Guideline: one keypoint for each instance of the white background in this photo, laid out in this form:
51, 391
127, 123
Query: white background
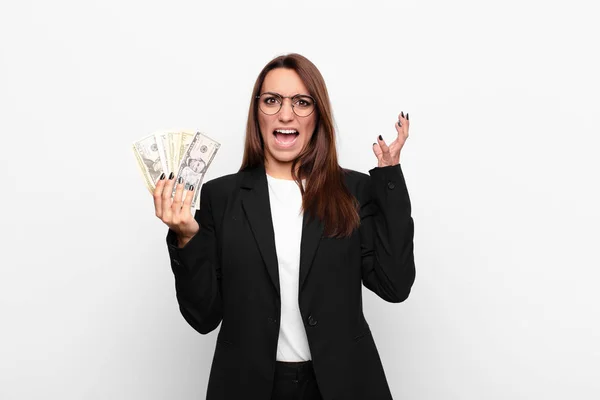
501, 165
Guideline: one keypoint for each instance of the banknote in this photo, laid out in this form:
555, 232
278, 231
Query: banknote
186, 153
164, 148
195, 161
174, 144
180, 142
184, 143
148, 160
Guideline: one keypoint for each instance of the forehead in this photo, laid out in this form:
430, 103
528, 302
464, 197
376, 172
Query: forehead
284, 81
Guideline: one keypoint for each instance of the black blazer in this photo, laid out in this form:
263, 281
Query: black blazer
228, 274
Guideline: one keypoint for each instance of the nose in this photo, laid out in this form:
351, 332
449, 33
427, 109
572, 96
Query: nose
286, 113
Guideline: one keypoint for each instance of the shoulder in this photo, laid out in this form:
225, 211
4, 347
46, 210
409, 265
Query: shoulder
219, 190
357, 182
227, 185
361, 184
223, 181
351, 175
375, 174
222, 184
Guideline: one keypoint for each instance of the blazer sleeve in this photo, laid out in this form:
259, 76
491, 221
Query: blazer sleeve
197, 271
386, 232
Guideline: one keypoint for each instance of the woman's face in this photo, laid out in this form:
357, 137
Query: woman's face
281, 148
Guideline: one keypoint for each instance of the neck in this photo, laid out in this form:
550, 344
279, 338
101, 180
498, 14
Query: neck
280, 170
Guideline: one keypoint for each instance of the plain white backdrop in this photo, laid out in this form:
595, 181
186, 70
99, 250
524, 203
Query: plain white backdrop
501, 164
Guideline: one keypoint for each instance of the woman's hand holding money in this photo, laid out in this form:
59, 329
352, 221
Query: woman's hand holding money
175, 213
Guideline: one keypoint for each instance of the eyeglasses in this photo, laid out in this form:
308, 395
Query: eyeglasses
270, 103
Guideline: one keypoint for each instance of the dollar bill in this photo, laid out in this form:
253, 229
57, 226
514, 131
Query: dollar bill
174, 143
181, 142
162, 142
195, 162
184, 144
148, 160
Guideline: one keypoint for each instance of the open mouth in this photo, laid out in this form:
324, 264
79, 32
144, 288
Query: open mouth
285, 137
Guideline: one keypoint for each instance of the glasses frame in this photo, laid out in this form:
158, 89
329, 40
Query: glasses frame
292, 100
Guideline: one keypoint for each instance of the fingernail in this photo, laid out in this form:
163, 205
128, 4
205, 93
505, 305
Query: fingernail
374, 144
171, 175
399, 123
406, 115
180, 180
402, 113
162, 176
380, 138
191, 188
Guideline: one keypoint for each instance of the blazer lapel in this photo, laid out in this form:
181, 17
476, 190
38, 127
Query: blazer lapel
256, 205
255, 202
312, 230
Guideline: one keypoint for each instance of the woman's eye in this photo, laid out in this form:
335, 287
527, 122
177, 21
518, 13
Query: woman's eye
271, 100
303, 102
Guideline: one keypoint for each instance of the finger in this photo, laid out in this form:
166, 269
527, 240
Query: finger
402, 126
187, 203
377, 150
166, 199
402, 133
385, 150
157, 194
177, 201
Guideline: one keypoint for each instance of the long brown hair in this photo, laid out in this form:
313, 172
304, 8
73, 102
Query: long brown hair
326, 196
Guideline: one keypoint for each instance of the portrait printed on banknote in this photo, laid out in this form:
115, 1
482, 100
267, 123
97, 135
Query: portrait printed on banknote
195, 162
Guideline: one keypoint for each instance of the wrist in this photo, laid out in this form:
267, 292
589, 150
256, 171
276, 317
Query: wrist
382, 165
183, 240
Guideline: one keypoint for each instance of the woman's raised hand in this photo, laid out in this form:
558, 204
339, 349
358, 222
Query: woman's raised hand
175, 213
390, 154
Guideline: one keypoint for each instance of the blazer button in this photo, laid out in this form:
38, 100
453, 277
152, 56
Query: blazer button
312, 321
391, 185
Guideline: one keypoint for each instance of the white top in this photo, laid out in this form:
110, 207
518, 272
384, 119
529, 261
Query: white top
286, 209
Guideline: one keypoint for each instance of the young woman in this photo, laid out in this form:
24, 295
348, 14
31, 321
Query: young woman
278, 252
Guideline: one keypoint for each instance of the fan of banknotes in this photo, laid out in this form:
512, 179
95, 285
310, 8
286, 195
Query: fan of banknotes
187, 154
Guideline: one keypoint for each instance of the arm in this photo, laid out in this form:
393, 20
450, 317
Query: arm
197, 271
386, 233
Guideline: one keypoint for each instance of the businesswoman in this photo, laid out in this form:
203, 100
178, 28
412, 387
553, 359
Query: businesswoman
278, 252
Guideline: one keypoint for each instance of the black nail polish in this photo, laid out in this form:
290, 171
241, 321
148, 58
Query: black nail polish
374, 144
191, 188
171, 176
402, 114
380, 138
406, 115
399, 124
162, 176
180, 180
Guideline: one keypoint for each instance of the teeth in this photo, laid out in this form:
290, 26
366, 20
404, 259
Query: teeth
286, 131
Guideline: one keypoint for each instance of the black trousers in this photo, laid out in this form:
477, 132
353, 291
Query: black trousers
295, 381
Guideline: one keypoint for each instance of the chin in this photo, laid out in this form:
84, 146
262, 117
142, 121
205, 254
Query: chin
283, 157
287, 158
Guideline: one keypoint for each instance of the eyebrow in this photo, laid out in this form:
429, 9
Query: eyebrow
279, 94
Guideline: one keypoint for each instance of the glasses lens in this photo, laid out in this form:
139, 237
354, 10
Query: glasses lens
269, 103
303, 105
